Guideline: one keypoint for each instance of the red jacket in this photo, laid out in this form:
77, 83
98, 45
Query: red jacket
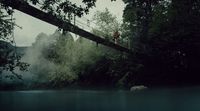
116, 35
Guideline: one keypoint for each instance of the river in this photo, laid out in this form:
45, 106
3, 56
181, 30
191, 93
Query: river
182, 99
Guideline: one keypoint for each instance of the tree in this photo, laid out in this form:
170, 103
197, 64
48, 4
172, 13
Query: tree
58, 60
6, 26
59, 8
172, 40
106, 24
138, 16
9, 59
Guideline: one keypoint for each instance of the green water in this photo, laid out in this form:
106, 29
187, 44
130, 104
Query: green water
183, 99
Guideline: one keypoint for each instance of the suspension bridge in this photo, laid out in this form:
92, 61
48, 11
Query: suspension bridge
80, 28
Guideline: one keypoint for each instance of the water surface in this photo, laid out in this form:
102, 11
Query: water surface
184, 99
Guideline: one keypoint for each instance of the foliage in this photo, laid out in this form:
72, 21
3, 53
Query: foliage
106, 24
168, 30
164, 35
9, 59
65, 8
6, 23
60, 67
59, 60
59, 8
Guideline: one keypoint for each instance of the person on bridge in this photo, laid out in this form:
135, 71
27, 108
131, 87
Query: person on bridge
116, 36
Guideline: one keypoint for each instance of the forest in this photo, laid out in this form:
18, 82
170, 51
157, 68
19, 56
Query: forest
162, 34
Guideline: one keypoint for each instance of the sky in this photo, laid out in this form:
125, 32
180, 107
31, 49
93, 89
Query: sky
31, 26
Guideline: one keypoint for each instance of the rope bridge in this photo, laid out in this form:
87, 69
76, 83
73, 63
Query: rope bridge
32, 11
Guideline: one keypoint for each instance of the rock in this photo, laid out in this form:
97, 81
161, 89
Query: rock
138, 88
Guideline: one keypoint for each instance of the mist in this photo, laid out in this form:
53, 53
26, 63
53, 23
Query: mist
58, 59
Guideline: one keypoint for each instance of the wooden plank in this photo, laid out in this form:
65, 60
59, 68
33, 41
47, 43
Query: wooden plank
32, 11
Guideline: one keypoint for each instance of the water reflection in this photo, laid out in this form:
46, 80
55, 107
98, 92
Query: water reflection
86, 100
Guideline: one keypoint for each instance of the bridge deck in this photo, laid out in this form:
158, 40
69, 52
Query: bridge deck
32, 11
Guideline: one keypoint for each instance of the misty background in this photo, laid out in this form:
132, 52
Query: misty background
31, 26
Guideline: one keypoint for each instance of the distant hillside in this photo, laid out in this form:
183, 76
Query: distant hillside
8, 47
21, 50
5, 45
